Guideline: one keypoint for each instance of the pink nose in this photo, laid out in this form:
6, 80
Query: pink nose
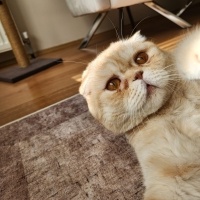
139, 75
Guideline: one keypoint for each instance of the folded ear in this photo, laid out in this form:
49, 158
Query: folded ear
84, 88
138, 37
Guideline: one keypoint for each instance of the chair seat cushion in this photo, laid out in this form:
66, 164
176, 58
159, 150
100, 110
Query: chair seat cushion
82, 7
123, 3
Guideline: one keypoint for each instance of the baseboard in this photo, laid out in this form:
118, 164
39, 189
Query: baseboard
57, 48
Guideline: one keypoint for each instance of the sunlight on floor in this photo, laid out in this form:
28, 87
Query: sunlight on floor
77, 77
171, 43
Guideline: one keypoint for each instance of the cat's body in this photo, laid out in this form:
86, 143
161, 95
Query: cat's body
168, 148
134, 88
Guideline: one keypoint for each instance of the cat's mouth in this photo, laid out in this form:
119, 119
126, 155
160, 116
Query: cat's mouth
150, 89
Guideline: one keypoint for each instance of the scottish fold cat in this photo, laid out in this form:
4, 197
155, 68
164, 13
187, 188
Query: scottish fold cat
153, 97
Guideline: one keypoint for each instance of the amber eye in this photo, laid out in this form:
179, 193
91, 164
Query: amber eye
141, 58
113, 84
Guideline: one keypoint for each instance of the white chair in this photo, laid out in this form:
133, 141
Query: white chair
84, 7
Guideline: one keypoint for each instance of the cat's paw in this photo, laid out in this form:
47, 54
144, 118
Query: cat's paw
187, 55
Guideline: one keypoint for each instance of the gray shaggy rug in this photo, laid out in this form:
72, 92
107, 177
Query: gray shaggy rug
61, 152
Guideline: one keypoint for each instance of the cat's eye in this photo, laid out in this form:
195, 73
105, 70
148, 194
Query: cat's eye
113, 84
141, 58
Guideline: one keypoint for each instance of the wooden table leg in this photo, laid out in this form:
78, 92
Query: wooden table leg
13, 36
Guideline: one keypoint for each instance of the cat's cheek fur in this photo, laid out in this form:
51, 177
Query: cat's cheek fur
112, 118
156, 101
94, 105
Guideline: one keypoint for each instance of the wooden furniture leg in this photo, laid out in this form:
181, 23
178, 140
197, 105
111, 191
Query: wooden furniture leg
13, 36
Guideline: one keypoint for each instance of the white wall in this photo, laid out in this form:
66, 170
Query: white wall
50, 23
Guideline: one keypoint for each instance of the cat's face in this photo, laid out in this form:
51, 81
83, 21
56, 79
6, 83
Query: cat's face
127, 82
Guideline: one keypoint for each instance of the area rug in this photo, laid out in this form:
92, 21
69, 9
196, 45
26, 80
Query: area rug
63, 153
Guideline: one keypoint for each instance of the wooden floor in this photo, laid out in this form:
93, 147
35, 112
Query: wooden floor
63, 80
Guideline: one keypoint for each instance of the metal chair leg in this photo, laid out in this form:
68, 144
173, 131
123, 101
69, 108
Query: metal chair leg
95, 25
130, 17
121, 22
174, 18
188, 3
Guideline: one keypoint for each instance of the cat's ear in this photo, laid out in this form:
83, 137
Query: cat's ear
138, 37
84, 88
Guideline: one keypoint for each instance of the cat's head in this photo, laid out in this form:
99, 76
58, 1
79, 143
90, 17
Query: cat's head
127, 82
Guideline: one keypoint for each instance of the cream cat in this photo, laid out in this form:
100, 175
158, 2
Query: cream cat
152, 96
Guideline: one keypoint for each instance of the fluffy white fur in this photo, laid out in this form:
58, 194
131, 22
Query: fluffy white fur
188, 56
162, 122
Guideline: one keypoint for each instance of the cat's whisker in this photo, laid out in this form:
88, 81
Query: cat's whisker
122, 36
117, 34
133, 119
169, 66
138, 127
138, 25
71, 61
124, 117
170, 87
96, 51
146, 119
171, 78
144, 114
164, 75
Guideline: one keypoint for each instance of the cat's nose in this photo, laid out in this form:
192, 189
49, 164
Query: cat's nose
139, 75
